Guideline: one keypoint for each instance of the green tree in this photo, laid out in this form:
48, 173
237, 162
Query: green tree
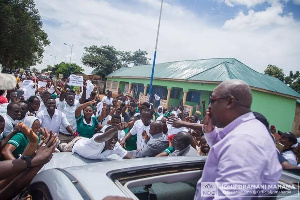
63, 68
293, 80
274, 71
34, 70
104, 59
22, 39
136, 58
48, 68
107, 59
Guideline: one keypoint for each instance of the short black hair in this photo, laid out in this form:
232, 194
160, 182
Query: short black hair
10, 105
183, 138
51, 98
71, 92
46, 93
132, 104
2, 119
147, 104
116, 117
24, 102
32, 98
260, 117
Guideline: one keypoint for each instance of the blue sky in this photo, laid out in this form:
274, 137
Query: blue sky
256, 32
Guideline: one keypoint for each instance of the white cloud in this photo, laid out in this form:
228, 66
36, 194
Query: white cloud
262, 19
183, 34
248, 3
297, 2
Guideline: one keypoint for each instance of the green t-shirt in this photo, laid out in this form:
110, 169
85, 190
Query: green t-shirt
85, 130
20, 141
137, 110
169, 150
131, 142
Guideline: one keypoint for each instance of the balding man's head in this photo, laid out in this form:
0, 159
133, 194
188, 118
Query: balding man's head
230, 99
181, 140
155, 128
240, 90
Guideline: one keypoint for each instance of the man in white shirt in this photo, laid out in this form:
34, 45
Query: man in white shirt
11, 118
44, 97
139, 128
107, 99
52, 119
116, 122
67, 104
100, 146
288, 139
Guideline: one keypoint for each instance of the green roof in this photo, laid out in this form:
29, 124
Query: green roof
208, 70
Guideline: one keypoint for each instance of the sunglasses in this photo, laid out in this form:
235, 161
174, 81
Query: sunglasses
214, 99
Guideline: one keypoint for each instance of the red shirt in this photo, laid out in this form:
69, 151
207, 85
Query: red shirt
3, 100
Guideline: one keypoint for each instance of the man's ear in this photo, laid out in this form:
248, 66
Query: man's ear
231, 102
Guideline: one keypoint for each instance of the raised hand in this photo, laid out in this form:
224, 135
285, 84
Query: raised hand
45, 150
123, 143
45, 133
93, 102
207, 123
18, 127
175, 122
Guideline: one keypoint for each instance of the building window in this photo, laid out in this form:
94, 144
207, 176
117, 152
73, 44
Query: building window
114, 86
108, 85
175, 93
193, 96
137, 89
126, 87
161, 91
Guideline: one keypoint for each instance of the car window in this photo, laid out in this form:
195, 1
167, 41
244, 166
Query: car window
176, 182
165, 191
36, 191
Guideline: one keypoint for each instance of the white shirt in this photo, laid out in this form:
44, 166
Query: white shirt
121, 133
88, 148
9, 125
107, 100
105, 120
69, 111
78, 96
89, 88
138, 129
99, 108
290, 157
172, 130
53, 123
3, 108
42, 105
100, 104
29, 90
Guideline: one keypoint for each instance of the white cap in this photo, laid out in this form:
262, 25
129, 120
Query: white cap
7, 81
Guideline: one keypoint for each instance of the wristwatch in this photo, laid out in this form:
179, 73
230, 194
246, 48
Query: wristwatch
28, 161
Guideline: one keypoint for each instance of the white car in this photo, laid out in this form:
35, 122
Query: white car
69, 176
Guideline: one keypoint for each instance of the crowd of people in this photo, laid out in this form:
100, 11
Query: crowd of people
58, 119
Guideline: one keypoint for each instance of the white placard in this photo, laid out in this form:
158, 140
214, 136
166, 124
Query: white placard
76, 80
28, 88
163, 103
25, 83
42, 84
